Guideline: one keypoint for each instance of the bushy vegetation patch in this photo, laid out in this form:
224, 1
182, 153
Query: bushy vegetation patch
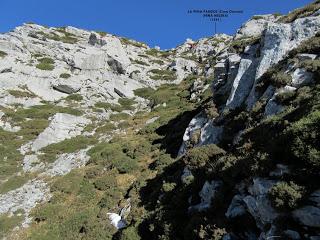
65, 38
3, 54
301, 12
286, 196
21, 94
65, 75
45, 64
158, 74
75, 97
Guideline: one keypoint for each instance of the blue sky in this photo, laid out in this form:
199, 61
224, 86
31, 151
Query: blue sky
163, 22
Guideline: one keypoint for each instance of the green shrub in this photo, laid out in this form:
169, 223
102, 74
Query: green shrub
105, 182
3, 54
106, 128
21, 94
141, 62
168, 187
285, 196
101, 33
285, 97
239, 45
66, 38
301, 12
126, 41
66, 146
40, 112
311, 65
45, 64
126, 103
112, 156
129, 233
198, 157
8, 223
163, 161
163, 74
65, 75
257, 17
109, 106
75, 97
119, 116
157, 61
303, 137
144, 92
211, 111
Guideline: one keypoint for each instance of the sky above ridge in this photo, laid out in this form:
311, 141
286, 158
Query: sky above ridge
164, 23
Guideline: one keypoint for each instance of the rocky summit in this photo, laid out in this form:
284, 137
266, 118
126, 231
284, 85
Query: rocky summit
103, 137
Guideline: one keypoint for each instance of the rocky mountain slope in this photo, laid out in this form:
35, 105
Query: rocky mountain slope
103, 137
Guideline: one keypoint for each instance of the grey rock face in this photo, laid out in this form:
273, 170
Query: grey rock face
308, 216
278, 40
236, 207
207, 194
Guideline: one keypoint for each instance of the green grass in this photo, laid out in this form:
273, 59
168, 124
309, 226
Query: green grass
126, 103
66, 146
21, 94
126, 41
3, 54
119, 116
8, 223
301, 12
75, 97
158, 74
13, 182
65, 38
65, 75
101, 33
45, 63
157, 53
106, 128
141, 62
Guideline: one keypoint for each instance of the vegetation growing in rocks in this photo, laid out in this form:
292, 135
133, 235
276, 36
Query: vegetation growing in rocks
75, 97
65, 38
21, 94
239, 45
3, 54
67, 146
126, 41
8, 223
157, 53
65, 75
301, 12
158, 74
45, 64
285, 195
141, 62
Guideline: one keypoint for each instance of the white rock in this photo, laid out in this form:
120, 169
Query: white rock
67, 162
278, 40
63, 126
24, 198
117, 221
